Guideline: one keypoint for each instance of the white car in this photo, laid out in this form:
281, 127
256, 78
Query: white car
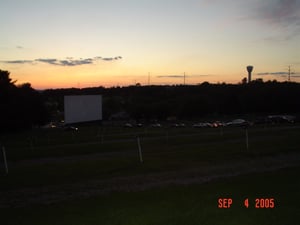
156, 125
202, 125
237, 122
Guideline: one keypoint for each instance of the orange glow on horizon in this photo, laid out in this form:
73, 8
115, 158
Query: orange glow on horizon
117, 74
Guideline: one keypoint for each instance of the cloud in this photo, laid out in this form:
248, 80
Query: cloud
69, 61
50, 61
170, 76
181, 76
279, 74
112, 59
273, 73
281, 15
18, 61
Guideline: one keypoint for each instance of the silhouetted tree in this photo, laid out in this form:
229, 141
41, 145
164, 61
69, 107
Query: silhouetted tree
5, 81
244, 80
20, 106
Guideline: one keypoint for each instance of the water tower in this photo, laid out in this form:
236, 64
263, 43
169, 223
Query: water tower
249, 69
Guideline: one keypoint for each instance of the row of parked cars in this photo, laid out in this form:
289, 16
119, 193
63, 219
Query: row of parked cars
53, 125
233, 123
272, 119
237, 122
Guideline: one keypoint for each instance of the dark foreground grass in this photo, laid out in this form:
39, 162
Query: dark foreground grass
164, 151
58, 143
163, 154
188, 205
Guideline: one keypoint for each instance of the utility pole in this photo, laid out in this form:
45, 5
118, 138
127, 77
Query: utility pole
289, 74
148, 78
184, 78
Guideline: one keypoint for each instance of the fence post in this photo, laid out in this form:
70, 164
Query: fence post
247, 139
139, 149
4, 160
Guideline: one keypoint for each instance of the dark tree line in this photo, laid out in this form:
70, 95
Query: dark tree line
191, 102
23, 107
20, 105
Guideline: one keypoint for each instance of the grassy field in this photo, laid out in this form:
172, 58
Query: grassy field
163, 150
55, 142
94, 176
194, 204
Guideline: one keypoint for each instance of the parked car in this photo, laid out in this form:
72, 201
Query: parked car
281, 119
217, 124
70, 128
178, 125
238, 123
202, 125
49, 126
128, 125
156, 125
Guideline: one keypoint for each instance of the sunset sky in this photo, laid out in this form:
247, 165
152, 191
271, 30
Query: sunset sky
80, 43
